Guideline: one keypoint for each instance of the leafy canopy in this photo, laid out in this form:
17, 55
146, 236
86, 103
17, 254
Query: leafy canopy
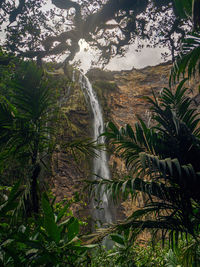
36, 30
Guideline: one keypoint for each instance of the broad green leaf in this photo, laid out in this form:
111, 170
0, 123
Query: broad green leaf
49, 221
62, 212
118, 239
72, 229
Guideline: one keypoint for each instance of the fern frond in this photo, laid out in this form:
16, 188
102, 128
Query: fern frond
188, 62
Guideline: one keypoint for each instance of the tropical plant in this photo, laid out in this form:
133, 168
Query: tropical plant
188, 61
29, 115
125, 253
26, 112
163, 164
48, 240
188, 8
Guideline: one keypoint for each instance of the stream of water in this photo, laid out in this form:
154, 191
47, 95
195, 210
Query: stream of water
103, 211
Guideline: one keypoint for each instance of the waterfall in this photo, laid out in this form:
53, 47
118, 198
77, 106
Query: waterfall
105, 212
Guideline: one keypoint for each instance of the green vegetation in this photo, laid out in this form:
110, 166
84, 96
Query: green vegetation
43, 241
34, 231
36, 30
140, 256
109, 86
163, 164
162, 160
27, 109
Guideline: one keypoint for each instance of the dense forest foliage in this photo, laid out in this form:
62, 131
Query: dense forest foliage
43, 29
162, 158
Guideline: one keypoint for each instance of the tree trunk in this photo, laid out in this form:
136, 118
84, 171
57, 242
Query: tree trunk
196, 14
34, 194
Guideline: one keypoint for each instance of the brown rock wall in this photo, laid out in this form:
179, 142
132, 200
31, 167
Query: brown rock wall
69, 169
128, 102
125, 104
121, 96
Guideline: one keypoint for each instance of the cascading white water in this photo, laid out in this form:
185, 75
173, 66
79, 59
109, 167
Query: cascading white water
104, 213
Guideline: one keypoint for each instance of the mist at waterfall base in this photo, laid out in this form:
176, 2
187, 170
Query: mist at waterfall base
103, 210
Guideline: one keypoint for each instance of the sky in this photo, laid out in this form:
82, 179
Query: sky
132, 59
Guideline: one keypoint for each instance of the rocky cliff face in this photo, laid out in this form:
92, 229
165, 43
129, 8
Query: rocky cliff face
121, 97
71, 167
125, 101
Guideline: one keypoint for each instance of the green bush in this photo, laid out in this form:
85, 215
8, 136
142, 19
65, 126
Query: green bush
46, 240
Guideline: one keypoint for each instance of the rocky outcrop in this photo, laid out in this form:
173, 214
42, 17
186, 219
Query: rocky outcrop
70, 166
121, 97
126, 101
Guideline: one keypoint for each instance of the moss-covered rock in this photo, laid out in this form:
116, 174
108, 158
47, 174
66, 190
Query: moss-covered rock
70, 168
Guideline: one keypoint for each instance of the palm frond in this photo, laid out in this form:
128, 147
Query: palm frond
162, 160
183, 8
87, 147
169, 225
130, 186
188, 61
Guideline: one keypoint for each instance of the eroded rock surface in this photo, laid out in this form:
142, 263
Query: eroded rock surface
121, 97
